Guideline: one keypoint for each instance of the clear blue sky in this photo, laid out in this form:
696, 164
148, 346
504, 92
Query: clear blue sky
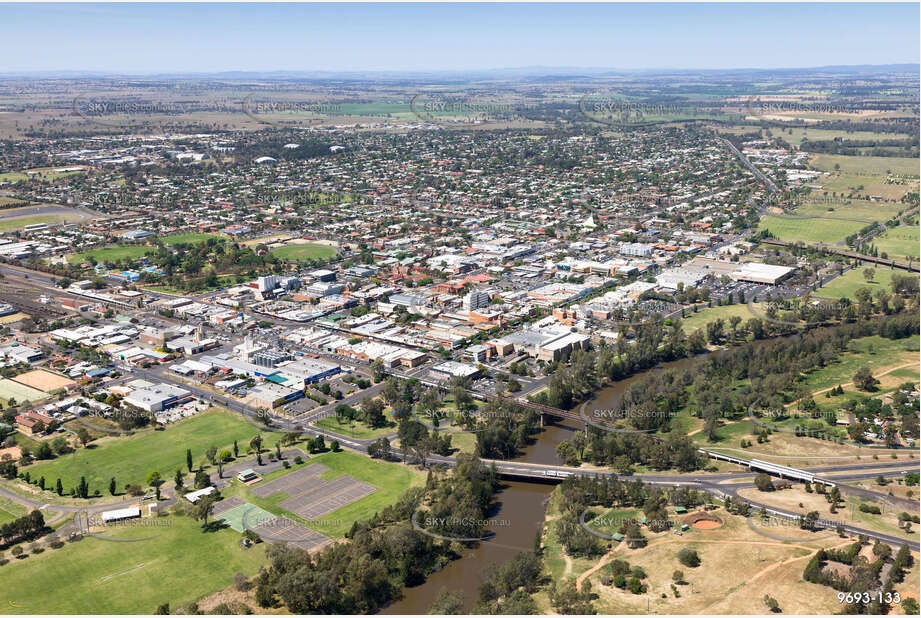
146, 38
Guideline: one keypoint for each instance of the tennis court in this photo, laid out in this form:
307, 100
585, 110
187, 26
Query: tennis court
293, 483
245, 516
226, 504
310, 496
328, 497
284, 530
10, 389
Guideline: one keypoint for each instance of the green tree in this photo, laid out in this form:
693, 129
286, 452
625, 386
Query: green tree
688, 557
771, 603
83, 436
203, 509
448, 603
864, 379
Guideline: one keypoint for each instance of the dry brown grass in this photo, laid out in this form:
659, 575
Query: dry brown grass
738, 567
790, 499
790, 450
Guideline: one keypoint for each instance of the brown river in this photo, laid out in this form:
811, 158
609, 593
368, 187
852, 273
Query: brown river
519, 515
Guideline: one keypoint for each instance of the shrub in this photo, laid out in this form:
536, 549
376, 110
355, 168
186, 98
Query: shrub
241, 582
689, 558
636, 586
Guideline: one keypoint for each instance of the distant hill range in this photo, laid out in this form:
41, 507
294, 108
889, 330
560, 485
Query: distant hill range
536, 73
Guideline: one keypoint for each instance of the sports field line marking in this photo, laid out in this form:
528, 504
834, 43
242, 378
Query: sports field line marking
134, 568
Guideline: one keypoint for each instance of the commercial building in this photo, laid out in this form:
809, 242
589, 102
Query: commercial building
310, 370
272, 395
761, 273
323, 275
157, 397
549, 344
636, 249
673, 278
453, 369
475, 299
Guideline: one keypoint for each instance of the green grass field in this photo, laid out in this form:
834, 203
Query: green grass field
860, 184
304, 252
188, 238
857, 210
178, 565
847, 284
9, 510
899, 242
903, 166
355, 429
727, 435
695, 321
15, 223
13, 177
391, 480
875, 352
131, 458
110, 254
809, 230
609, 521
48, 173
798, 135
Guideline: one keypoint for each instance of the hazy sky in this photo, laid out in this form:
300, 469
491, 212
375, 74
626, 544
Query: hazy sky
145, 38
